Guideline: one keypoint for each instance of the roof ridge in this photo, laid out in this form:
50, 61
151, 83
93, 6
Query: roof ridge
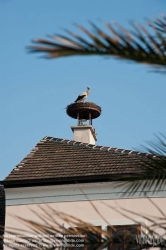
97, 147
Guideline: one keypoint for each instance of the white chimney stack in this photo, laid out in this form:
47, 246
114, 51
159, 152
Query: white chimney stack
84, 133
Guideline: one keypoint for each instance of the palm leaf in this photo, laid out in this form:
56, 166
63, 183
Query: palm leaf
159, 24
49, 233
137, 45
152, 174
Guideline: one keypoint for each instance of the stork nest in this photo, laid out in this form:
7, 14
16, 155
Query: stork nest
84, 109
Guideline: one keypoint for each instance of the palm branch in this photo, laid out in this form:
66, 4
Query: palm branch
159, 25
152, 174
137, 45
50, 234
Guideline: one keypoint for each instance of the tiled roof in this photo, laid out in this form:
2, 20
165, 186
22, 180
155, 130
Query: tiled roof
2, 214
59, 159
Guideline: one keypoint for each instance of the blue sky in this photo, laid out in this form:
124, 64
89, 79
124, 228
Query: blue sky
35, 91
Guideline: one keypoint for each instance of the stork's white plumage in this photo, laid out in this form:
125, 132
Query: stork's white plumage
83, 96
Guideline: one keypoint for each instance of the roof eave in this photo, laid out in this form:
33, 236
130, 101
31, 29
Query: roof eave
63, 180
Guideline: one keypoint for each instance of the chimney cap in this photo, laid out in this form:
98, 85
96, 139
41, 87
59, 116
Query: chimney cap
83, 108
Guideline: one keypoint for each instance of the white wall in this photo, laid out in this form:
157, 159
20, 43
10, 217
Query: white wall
73, 200
84, 211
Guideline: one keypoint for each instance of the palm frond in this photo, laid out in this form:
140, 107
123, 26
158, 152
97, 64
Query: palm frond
155, 222
159, 24
152, 175
137, 45
50, 234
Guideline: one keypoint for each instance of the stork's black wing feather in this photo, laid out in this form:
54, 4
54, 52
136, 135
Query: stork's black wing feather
80, 97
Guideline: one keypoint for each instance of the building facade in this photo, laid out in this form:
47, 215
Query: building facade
81, 179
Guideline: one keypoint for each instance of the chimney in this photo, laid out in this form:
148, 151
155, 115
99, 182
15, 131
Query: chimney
84, 111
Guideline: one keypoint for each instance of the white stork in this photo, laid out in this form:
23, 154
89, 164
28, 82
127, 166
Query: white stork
83, 96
